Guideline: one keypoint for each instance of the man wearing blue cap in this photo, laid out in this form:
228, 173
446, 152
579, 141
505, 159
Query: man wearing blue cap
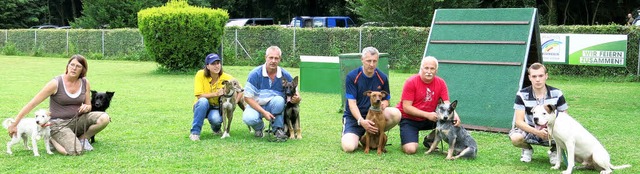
207, 89
263, 93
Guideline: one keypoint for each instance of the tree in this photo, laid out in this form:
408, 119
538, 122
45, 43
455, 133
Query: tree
23, 13
109, 14
404, 13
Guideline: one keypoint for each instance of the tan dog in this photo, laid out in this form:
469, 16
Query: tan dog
581, 146
378, 140
228, 103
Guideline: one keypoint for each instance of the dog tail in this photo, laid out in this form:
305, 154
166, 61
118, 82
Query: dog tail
7, 122
620, 166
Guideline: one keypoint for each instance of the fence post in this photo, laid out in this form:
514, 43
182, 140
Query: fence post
6, 36
235, 41
67, 48
294, 40
103, 44
360, 41
35, 39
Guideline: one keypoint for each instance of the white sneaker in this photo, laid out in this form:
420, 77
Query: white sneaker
85, 145
553, 158
194, 137
526, 155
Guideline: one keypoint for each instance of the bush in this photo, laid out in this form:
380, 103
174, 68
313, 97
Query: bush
179, 36
9, 49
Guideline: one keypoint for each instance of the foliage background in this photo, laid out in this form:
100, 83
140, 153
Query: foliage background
246, 45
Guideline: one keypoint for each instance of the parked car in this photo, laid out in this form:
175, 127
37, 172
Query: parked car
43, 27
64, 27
322, 21
249, 22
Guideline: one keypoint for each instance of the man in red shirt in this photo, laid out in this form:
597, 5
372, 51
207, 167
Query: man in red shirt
420, 96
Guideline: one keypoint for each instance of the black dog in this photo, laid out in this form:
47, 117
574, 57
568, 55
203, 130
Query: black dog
100, 102
291, 110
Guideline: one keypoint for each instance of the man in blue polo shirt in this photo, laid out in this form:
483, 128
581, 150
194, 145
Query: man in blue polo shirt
365, 78
263, 93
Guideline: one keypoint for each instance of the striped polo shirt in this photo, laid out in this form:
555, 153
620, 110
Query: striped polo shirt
526, 100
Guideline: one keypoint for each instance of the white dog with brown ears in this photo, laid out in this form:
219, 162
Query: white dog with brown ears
580, 145
31, 128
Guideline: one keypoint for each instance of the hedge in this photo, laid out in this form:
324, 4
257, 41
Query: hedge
405, 45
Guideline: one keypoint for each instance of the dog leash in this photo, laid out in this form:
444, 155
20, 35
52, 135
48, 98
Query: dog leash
75, 119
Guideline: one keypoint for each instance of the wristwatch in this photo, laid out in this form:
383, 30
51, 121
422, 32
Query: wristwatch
359, 122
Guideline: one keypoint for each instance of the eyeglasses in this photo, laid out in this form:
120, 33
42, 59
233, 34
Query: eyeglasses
77, 66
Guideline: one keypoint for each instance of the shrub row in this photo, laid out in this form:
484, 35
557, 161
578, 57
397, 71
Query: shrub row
246, 45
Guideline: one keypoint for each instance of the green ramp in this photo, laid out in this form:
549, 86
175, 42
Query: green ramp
483, 55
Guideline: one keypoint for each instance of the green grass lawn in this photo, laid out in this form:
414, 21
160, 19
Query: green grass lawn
151, 116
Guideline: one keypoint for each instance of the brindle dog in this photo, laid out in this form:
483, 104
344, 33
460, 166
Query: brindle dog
228, 103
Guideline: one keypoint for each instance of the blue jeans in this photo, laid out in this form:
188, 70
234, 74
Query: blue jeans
253, 118
203, 109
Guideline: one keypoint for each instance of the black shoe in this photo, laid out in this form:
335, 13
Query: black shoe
280, 135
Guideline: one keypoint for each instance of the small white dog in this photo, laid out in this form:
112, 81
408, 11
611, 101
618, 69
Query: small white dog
580, 145
33, 128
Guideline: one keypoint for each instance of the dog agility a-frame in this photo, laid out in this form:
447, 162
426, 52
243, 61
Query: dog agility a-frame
483, 55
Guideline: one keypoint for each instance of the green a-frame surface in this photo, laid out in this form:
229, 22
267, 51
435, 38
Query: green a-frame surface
483, 55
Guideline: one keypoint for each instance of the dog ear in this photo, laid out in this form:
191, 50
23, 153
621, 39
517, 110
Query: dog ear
224, 82
284, 81
384, 93
368, 93
110, 94
93, 93
295, 81
440, 101
453, 104
550, 108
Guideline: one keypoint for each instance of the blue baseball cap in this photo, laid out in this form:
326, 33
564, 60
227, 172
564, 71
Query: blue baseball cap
211, 58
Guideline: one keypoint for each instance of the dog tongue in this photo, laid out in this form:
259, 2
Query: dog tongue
288, 98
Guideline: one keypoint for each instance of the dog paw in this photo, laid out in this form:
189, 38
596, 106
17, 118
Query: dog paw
9, 152
299, 137
555, 167
36, 154
49, 152
450, 158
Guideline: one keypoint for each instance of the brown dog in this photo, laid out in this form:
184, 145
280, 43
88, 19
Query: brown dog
377, 140
228, 102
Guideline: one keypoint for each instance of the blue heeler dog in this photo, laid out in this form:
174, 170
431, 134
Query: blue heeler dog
460, 141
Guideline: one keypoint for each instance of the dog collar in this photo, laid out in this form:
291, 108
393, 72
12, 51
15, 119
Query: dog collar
229, 95
46, 125
374, 109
